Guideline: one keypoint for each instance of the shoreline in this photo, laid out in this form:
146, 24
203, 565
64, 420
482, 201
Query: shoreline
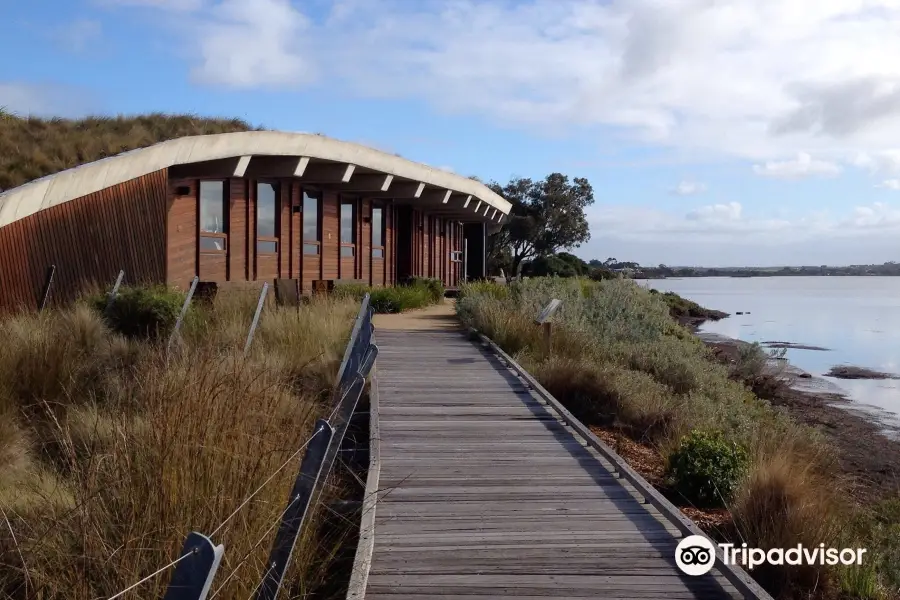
867, 448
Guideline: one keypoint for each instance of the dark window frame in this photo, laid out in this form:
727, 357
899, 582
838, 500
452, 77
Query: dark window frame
382, 250
316, 243
276, 239
353, 203
214, 235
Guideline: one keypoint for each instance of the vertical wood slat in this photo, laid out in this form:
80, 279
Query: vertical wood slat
296, 233
237, 223
182, 227
284, 229
330, 236
120, 225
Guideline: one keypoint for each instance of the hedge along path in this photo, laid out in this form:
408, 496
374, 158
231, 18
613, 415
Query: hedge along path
483, 492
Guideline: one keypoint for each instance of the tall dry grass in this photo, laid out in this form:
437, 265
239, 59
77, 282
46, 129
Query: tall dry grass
111, 451
32, 147
618, 359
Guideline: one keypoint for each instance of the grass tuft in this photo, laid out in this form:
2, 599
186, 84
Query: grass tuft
32, 147
111, 451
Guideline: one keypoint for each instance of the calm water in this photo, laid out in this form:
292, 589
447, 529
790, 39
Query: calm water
857, 318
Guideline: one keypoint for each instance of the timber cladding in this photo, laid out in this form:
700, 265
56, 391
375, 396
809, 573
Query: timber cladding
150, 227
89, 239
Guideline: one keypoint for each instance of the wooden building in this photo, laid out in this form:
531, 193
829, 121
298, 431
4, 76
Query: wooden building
240, 207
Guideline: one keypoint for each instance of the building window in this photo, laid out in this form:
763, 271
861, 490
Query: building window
266, 218
213, 219
312, 233
348, 229
377, 232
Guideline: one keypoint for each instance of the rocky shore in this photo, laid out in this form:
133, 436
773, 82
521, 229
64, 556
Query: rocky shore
866, 447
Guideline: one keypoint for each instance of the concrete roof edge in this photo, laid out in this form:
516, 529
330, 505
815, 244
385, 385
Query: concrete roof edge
58, 188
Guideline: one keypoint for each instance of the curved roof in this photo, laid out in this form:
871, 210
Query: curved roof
70, 184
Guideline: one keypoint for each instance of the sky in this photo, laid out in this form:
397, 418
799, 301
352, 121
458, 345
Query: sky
714, 132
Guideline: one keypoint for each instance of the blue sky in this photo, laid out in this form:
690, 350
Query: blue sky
741, 132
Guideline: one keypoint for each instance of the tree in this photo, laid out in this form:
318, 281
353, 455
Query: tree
560, 265
546, 216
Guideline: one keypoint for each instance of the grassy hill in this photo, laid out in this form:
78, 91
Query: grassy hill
32, 147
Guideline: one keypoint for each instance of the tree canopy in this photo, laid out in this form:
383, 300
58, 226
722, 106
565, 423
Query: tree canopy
547, 216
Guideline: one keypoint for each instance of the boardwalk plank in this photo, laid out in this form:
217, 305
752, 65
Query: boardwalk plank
484, 493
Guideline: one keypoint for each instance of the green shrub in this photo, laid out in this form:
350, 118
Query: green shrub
142, 312
483, 288
419, 293
435, 287
706, 468
400, 298
601, 274
351, 290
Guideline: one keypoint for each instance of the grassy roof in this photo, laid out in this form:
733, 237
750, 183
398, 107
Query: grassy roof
32, 147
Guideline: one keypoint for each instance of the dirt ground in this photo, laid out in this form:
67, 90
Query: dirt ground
438, 317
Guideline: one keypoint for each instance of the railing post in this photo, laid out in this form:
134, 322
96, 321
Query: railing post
363, 311
176, 331
259, 307
193, 576
48, 283
295, 515
114, 292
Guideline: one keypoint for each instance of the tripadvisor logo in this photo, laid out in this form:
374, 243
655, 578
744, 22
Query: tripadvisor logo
696, 555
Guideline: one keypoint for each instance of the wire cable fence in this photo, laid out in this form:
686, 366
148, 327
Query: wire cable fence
199, 558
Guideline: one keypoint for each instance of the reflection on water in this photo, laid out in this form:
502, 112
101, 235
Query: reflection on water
857, 318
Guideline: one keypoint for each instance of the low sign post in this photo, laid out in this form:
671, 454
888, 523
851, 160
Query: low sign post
543, 320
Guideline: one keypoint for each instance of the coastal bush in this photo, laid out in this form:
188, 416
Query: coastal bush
435, 287
706, 468
111, 451
141, 312
619, 358
786, 500
483, 288
418, 293
878, 530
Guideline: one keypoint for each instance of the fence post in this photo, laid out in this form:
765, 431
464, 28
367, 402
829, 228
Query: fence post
295, 515
193, 576
184, 308
48, 282
259, 307
114, 292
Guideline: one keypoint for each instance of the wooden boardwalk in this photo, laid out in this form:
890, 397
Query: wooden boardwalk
483, 492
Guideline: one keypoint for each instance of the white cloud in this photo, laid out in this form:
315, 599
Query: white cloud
877, 162
717, 212
755, 79
878, 215
761, 80
689, 188
253, 43
890, 184
722, 225
803, 166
